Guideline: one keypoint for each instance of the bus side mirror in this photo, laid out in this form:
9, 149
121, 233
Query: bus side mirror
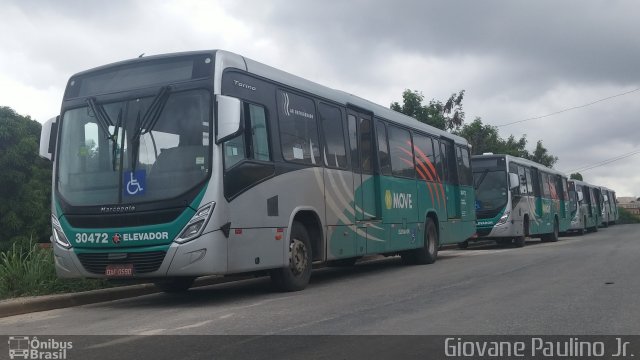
580, 196
228, 117
48, 136
514, 181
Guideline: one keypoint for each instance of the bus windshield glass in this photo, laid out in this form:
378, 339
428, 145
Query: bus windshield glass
134, 150
491, 189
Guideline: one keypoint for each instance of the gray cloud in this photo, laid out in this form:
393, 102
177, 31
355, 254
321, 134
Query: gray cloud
573, 40
515, 59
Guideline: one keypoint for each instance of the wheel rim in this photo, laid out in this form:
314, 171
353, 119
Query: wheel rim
297, 257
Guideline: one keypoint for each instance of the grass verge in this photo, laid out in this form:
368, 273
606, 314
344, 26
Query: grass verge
627, 217
26, 269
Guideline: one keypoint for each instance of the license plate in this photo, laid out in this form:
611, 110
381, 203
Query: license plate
119, 270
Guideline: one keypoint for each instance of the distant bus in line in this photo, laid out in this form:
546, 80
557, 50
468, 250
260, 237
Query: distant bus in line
586, 207
518, 198
610, 207
177, 166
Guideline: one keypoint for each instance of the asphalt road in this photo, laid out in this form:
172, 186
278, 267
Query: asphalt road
580, 285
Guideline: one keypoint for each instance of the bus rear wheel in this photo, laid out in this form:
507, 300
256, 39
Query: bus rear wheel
428, 253
295, 277
553, 236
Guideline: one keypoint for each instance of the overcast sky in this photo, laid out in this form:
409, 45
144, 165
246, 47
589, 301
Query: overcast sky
515, 59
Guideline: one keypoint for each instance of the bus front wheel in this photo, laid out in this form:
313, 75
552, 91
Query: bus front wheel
295, 277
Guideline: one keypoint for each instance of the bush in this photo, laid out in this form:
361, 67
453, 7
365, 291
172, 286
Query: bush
27, 269
626, 217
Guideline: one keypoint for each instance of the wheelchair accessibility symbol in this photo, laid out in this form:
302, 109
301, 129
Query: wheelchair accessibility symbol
134, 182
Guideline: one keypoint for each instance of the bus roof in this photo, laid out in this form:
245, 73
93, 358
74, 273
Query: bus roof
511, 158
584, 183
226, 59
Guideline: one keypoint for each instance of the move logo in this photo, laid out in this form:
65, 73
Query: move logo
387, 199
398, 200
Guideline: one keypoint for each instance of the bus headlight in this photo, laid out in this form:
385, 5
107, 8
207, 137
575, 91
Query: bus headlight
58, 234
196, 225
503, 219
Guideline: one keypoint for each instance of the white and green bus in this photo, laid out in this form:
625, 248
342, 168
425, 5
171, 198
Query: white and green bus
177, 166
586, 208
609, 207
518, 198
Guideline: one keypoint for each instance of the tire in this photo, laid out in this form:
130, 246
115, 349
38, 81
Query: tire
429, 252
174, 285
519, 241
584, 226
295, 277
552, 237
463, 245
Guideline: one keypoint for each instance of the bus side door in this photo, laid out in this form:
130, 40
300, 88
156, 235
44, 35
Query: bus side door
452, 189
366, 186
537, 194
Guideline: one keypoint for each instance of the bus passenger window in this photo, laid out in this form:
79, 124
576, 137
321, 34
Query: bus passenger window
298, 129
233, 151
366, 148
423, 146
545, 185
464, 168
259, 133
353, 141
523, 180
383, 149
335, 154
401, 152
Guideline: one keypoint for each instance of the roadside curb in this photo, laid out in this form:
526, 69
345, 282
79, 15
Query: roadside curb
31, 304
24, 305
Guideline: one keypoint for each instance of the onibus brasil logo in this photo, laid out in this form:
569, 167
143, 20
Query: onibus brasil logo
25, 347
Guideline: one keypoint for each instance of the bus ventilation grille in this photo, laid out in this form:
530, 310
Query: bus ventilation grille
143, 262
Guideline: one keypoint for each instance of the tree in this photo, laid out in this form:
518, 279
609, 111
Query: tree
541, 155
576, 176
25, 184
445, 116
485, 138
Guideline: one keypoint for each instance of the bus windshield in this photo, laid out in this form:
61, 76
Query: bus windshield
491, 189
134, 150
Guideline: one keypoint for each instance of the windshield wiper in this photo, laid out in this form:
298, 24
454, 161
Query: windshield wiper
152, 114
114, 140
104, 121
149, 121
103, 118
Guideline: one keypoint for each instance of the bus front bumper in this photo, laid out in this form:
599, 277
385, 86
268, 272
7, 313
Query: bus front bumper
205, 255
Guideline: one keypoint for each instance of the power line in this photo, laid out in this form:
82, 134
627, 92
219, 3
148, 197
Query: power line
605, 162
569, 109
